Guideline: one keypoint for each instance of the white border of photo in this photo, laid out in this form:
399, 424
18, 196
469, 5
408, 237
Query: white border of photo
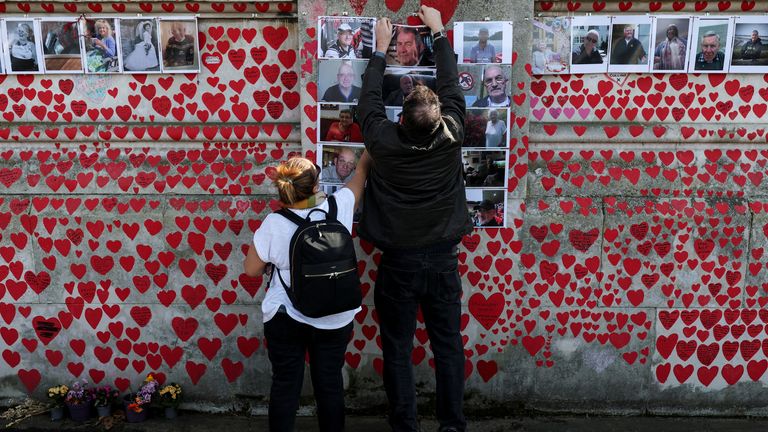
38, 46
732, 41
584, 21
655, 42
76, 21
725, 47
160, 42
636, 21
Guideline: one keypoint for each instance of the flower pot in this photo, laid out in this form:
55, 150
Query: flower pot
171, 412
57, 413
132, 416
104, 411
79, 412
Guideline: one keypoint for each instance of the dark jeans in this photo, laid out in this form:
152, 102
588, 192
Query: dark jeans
288, 342
405, 281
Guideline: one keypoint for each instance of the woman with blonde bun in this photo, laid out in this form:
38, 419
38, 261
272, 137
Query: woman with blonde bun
291, 335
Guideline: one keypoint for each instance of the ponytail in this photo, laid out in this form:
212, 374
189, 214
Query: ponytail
295, 180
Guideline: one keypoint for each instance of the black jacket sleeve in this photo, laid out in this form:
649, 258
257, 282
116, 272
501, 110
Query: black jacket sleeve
370, 107
451, 98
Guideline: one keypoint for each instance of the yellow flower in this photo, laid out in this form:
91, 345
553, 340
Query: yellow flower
150, 378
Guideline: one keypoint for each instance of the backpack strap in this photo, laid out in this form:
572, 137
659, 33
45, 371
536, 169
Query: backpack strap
291, 216
332, 208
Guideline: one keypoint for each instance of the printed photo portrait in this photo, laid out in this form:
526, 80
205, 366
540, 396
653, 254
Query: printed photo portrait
178, 45
483, 42
670, 44
589, 44
630, 42
139, 45
486, 127
484, 168
338, 123
338, 162
486, 207
399, 82
331, 188
747, 53
493, 90
410, 46
100, 43
61, 46
340, 80
345, 38
22, 46
395, 114
710, 43
551, 45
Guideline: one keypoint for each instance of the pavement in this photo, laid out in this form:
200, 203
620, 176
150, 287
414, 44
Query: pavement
188, 421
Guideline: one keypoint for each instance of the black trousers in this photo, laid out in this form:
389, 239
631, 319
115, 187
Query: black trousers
405, 281
288, 343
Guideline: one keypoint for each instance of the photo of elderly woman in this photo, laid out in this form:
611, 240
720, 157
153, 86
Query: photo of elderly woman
23, 51
61, 46
138, 43
101, 54
179, 46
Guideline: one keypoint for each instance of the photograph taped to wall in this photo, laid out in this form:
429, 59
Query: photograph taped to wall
410, 46
178, 45
339, 123
332, 188
710, 45
671, 43
21, 43
551, 45
101, 53
486, 127
485, 85
61, 45
589, 44
338, 162
483, 42
394, 114
139, 45
749, 48
487, 208
399, 82
340, 80
345, 37
484, 168
629, 44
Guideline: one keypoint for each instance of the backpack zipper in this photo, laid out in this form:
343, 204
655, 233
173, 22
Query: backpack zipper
331, 275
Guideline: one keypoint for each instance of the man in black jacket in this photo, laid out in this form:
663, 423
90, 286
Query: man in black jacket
416, 213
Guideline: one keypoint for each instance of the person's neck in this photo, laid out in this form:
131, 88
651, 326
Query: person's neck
483, 44
342, 127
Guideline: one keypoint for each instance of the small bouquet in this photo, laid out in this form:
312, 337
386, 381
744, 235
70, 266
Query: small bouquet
57, 394
105, 396
144, 395
170, 395
78, 394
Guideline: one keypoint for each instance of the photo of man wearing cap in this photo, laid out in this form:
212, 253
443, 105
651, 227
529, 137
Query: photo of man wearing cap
342, 47
486, 214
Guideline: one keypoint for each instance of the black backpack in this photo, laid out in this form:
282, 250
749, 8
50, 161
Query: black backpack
324, 275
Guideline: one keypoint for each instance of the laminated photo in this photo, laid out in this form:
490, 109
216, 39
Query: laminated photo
338, 123
710, 45
485, 86
589, 44
487, 208
139, 45
486, 127
671, 43
551, 50
483, 42
348, 38
340, 80
630, 43
338, 162
101, 53
484, 168
749, 46
410, 46
399, 82
21, 43
178, 45
61, 45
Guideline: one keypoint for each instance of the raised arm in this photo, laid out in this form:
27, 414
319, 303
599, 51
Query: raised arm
370, 107
357, 184
451, 99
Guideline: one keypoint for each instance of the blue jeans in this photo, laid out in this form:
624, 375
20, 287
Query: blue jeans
406, 280
288, 342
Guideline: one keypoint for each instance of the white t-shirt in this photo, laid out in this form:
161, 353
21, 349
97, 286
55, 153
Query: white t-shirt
272, 241
494, 133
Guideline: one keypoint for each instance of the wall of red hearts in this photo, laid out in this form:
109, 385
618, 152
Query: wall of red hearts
127, 201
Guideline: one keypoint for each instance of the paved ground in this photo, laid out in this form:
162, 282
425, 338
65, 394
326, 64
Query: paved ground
195, 422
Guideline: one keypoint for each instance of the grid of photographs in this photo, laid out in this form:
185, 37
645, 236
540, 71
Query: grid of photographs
103, 45
345, 44
665, 43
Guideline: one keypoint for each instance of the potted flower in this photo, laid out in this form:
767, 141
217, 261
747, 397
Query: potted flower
170, 398
136, 403
104, 398
79, 401
57, 395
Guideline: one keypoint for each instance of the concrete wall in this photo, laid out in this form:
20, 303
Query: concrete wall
629, 277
